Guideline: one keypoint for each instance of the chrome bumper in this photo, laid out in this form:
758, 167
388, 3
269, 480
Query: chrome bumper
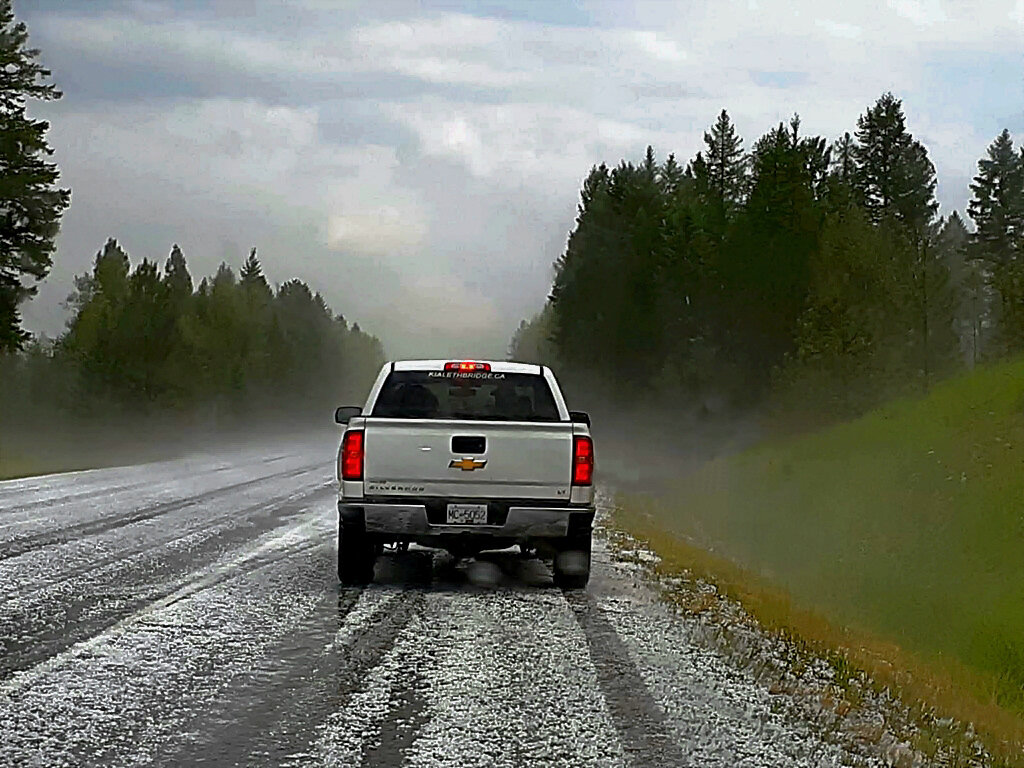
521, 522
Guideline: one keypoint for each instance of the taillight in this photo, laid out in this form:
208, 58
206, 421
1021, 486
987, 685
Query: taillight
582, 461
352, 455
467, 367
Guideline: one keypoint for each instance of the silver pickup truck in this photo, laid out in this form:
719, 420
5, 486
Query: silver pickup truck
465, 456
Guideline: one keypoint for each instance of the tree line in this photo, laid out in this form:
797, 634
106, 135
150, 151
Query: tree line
141, 338
801, 266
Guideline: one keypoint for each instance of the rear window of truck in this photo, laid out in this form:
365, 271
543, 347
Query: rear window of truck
454, 395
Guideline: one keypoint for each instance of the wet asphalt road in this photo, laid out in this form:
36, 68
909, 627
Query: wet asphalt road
187, 613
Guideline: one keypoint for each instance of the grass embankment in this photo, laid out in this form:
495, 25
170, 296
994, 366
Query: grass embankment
47, 446
12, 466
25, 457
17, 466
897, 538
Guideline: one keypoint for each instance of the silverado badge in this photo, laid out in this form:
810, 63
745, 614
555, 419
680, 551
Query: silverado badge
467, 464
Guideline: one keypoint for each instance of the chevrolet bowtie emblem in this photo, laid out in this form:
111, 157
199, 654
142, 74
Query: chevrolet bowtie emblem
467, 464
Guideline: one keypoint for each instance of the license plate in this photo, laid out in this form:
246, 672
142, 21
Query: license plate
467, 514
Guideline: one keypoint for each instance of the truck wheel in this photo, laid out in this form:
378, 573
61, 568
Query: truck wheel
356, 556
571, 567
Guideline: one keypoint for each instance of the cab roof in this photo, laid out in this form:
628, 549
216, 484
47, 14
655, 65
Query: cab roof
498, 366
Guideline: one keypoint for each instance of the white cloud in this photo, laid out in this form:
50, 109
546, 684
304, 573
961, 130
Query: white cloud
659, 47
541, 147
246, 154
369, 210
1018, 13
383, 230
217, 149
838, 29
181, 43
432, 34
464, 50
922, 12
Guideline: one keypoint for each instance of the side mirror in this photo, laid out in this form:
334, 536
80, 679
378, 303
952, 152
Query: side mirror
580, 417
346, 413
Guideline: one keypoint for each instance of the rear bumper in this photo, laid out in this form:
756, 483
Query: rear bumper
411, 520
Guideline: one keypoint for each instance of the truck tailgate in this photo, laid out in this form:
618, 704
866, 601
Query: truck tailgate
468, 459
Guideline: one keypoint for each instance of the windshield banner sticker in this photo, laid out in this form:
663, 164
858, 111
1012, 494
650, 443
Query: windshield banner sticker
483, 375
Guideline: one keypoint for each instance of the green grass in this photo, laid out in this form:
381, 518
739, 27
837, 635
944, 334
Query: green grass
17, 464
49, 447
906, 525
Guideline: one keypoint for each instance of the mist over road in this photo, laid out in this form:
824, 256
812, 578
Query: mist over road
187, 612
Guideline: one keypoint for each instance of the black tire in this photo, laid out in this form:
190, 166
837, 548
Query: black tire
571, 566
356, 556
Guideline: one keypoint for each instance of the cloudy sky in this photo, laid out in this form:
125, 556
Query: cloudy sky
419, 162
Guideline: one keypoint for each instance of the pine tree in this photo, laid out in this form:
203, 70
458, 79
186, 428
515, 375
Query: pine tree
894, 176
252, 271
967, 278
683, 291
606, 289
672, 176
932, 303
257, 299
178, 300
997, 209
838, 189
721, 170
847, 308
531, 342
109, 276
145, 334
581, 272
176, 276
30, 202
843, 161
650, 166
225, 277
109, 271
766, 269
95, 329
